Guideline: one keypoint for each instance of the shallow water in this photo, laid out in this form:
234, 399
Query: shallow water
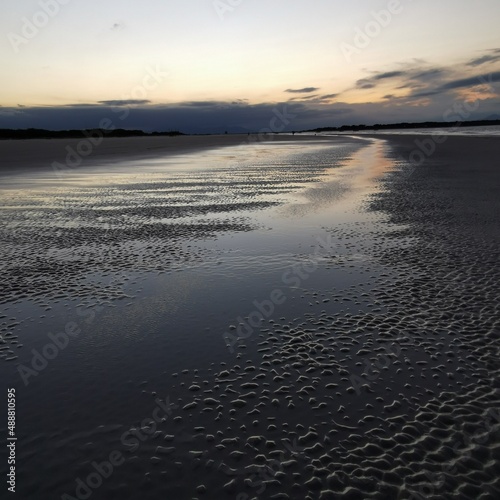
242, 284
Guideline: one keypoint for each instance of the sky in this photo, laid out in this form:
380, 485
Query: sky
208, 66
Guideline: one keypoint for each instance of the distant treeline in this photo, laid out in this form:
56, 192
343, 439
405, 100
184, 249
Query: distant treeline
38, 133
389, 126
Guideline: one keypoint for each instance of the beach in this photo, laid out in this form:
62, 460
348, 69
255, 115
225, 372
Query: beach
39, 155
253, 316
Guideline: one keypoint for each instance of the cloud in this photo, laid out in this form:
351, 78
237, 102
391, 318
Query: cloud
484, 79
305, 90
421, 82
122, 102
492, 56
371, 82
203, 104
10, 112
305, 98
365, 83
412, 92
408, 78
188, 117
388, 74
315, 98
219, 116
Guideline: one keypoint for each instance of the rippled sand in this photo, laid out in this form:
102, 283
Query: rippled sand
310, 318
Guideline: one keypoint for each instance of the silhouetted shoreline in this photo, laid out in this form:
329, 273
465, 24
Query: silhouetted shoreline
406, 125
39, 133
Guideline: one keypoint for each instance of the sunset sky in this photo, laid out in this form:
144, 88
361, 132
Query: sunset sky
215, 65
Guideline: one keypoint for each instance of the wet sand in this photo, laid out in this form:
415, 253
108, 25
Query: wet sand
296, 319
39, 154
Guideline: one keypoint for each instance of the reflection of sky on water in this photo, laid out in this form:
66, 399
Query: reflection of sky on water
155, 261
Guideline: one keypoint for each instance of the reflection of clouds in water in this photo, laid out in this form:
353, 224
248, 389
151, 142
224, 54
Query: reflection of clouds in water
359, 171
132, 219
317, 198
